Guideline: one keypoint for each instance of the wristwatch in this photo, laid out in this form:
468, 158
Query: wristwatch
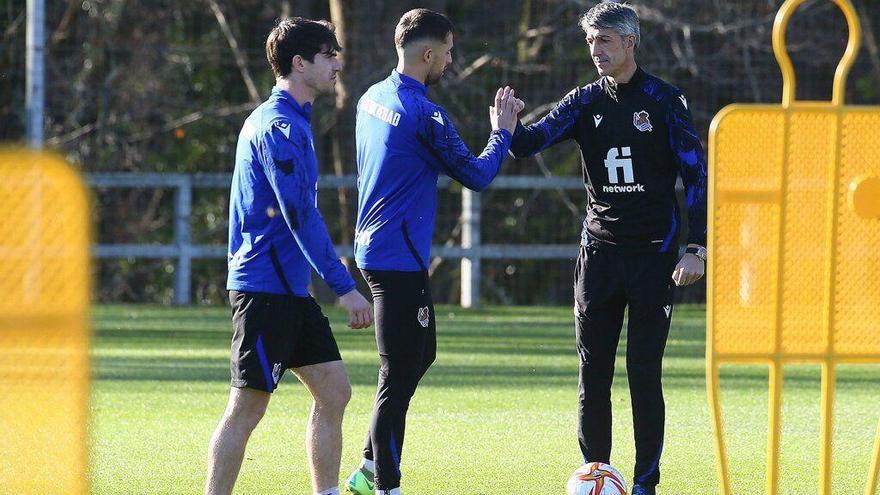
698, 251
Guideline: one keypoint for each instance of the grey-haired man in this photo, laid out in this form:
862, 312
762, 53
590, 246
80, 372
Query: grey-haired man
636, 137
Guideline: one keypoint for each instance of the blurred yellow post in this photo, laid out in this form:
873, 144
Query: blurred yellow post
794, 274
44, 326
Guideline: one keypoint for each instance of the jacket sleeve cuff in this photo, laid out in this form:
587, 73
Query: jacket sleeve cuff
346, 286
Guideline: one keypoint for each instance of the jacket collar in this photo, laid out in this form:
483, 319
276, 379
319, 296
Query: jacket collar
304, 110
404, 80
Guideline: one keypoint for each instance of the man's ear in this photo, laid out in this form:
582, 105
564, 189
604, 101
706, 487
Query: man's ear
297, 64
630, 42
427, 54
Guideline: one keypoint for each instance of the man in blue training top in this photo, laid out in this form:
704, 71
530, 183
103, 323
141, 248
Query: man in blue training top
636, 137
276, 235
404, 141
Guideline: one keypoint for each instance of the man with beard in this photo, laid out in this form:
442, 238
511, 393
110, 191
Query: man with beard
404, 141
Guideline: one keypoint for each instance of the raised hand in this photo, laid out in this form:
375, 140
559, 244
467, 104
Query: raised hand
504, 114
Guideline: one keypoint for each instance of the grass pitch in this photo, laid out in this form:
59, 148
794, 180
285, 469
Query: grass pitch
496, 413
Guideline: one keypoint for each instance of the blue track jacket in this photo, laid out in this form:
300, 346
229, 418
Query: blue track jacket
275, 229
404, 141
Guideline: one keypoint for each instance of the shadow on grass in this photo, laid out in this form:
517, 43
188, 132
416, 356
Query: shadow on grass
497, 347
479, 376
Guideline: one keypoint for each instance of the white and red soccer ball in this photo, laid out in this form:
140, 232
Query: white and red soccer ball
596, 478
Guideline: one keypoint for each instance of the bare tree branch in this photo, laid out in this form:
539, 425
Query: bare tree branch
13, 26
474, 66
60, 34
240, 59
71, 136
648, 14
190, 118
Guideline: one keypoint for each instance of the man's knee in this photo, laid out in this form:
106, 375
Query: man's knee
401, 378
644, 366
328, 383
246, 408
334, 397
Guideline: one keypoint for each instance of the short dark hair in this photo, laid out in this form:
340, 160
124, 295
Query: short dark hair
293, 36
419, 24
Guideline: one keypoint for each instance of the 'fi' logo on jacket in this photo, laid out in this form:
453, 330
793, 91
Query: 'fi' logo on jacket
642, 122
424, 317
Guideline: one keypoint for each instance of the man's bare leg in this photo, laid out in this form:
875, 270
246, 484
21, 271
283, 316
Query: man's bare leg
331, 391
244, 410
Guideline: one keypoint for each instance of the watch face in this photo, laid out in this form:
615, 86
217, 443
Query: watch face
699, 252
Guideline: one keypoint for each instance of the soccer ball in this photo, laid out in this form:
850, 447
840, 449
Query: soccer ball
596, 478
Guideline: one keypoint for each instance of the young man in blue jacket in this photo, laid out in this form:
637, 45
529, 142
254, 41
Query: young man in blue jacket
636, 137
276, 236
404, 141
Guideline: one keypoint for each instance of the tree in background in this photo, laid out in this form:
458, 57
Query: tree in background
162, 86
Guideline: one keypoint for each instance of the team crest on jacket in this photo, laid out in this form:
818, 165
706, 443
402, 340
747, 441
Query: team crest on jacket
642, 122
276, 373
424, 317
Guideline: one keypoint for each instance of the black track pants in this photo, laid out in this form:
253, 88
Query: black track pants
606, 283
407, 340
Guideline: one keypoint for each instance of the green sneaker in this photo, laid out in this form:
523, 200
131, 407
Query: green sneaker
361, 483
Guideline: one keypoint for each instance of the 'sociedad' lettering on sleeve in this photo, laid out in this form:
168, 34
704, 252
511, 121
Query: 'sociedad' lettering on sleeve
380, 112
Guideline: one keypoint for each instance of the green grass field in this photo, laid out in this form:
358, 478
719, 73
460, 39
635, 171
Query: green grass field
495, 415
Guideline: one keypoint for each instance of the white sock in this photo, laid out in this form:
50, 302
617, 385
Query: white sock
369, 465
329, 491
393, 491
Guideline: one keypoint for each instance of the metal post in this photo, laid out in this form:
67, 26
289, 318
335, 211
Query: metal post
183, 239
470, 239
35, 91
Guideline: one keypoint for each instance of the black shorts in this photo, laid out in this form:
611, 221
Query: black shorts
272, 333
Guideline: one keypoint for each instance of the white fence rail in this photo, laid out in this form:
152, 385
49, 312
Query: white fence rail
471, 252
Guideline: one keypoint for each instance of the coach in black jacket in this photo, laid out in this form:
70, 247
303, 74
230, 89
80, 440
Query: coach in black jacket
636, 137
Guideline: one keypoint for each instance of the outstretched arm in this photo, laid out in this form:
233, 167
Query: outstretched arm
438, 134
556, 126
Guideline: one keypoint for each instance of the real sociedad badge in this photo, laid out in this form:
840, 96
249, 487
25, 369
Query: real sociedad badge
276, 373
642, 122
424, 317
